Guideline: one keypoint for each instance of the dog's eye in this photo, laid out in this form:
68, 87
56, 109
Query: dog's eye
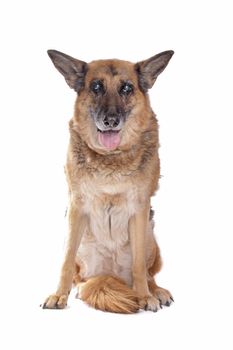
97, 87
126, 89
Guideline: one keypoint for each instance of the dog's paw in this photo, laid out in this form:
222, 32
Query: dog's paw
55, 301
150, 303
164, 296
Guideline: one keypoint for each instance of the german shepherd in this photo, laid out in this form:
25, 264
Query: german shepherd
112, 171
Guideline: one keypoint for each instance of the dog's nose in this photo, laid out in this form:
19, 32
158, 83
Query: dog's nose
111, 121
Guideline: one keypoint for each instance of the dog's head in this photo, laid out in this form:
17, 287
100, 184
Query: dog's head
112, 108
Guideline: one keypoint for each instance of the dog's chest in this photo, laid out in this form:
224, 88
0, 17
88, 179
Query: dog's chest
105, 247
109, 205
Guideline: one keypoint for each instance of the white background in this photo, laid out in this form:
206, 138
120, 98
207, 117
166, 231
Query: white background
193, 102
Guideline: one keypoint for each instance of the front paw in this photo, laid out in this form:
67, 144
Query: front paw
55, 301
150, 303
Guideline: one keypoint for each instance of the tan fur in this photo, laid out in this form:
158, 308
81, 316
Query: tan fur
111, 237
108, 293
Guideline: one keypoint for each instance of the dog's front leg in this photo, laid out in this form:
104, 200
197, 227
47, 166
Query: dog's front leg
77, 222
138, 225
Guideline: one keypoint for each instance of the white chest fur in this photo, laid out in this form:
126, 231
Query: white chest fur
105, 247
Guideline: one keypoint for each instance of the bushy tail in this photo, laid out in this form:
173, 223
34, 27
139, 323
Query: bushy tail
108, 293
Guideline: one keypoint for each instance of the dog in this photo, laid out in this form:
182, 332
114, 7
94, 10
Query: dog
112, 171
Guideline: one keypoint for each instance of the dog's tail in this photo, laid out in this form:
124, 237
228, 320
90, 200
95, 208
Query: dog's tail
108, 293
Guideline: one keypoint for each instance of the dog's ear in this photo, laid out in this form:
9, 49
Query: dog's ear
72, 69
149, 70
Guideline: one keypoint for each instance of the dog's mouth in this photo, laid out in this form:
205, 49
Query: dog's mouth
109, 139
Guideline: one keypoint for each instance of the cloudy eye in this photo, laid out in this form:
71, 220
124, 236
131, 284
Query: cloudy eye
126, 88
97, 87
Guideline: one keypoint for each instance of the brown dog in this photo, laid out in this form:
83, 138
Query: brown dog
112, 171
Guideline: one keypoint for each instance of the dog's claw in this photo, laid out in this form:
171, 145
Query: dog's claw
172, 299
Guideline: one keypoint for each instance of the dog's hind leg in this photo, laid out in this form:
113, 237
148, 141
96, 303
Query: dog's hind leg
78, 282
163, 295
76, 278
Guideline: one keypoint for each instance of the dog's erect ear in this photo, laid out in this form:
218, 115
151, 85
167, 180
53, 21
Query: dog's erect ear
149, 70
72, 69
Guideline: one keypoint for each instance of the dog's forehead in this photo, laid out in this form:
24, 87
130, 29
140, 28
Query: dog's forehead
111, 68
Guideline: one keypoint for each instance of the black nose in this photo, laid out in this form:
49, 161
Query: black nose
111, 121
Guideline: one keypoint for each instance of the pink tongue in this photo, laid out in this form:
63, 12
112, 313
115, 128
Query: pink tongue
109, 139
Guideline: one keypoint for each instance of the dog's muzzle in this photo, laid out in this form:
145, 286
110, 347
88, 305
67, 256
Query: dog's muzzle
109, 131
109, 122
